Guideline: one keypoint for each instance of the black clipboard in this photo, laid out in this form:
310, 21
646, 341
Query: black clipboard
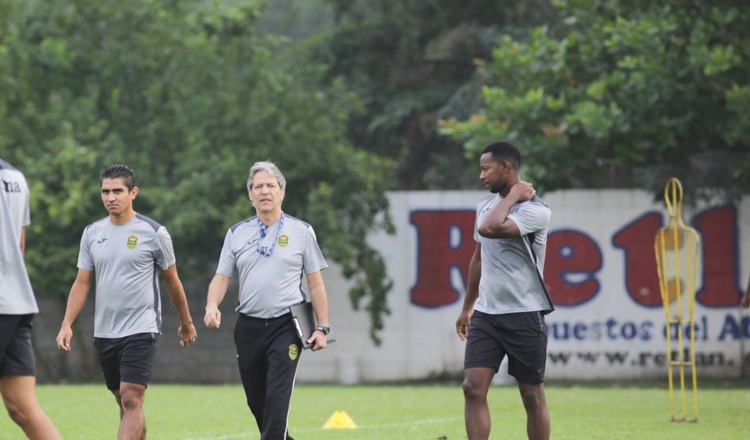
304, 322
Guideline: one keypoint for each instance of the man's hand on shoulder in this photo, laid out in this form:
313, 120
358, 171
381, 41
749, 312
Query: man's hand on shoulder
524, 191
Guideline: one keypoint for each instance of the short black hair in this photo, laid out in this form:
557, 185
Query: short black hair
119, 171
504, 150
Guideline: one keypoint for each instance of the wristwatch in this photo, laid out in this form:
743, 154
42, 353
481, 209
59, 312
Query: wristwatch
323, 329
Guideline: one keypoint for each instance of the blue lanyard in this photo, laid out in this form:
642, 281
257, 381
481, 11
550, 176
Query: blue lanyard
264, 232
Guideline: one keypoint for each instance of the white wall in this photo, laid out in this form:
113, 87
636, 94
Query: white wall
614, 337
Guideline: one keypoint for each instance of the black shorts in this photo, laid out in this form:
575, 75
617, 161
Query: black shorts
16, 352
520, 336
128, 359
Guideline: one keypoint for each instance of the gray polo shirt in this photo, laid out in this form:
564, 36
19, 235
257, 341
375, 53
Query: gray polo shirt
126, 260
16, 295
269, 285
509, 281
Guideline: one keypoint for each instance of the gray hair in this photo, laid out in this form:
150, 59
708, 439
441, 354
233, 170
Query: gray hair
268, 167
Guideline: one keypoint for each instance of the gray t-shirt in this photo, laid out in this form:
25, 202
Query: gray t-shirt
125, 259
269, 285
16, 295
510, 282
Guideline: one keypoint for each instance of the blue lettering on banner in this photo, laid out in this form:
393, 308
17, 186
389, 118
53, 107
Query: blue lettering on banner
734, 329
614, 329
611, 329
636, 359
700, 325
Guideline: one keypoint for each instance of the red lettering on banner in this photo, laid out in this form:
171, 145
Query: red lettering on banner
641, 276
569, 268
445, 240
720, 286
445, 243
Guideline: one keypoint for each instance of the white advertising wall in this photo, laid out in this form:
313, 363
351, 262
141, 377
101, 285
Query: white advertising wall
601, 273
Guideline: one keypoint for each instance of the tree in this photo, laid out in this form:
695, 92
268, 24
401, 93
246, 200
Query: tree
412, 63
190, 96
629, 94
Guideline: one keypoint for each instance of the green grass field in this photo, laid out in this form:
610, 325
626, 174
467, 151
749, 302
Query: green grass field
606, 412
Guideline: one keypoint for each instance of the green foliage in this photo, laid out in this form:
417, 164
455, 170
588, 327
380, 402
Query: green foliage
413, 62
629, 94
294, 19
188, 95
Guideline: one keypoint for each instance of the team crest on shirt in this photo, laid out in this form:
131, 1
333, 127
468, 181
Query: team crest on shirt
293, 351
283, 240
132, 242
